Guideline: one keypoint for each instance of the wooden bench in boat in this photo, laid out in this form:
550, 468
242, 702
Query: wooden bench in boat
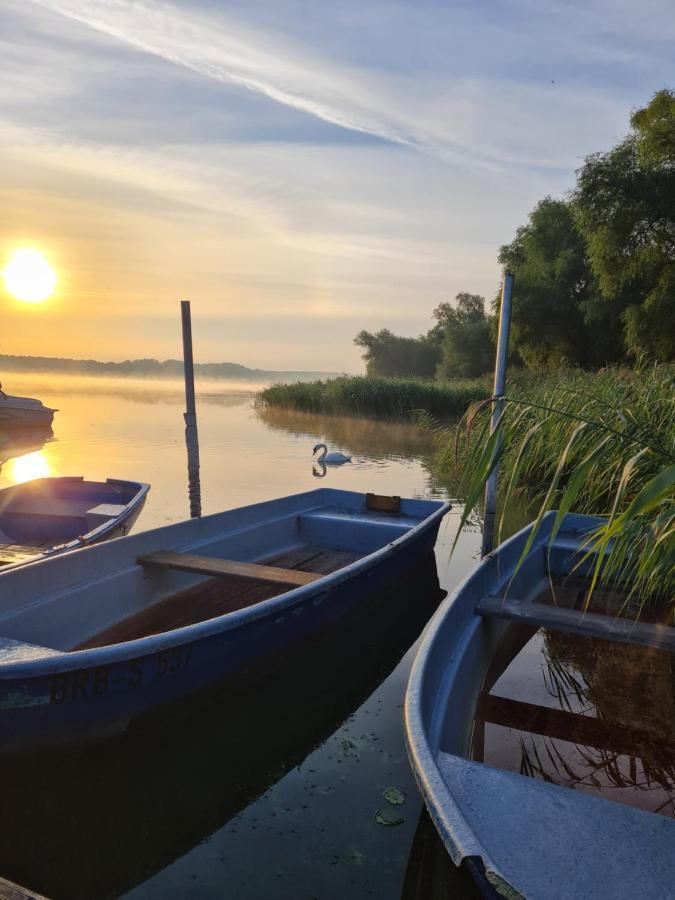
225, 593
597, 625
204, 565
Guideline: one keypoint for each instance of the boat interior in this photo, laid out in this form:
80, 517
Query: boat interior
201, 569
548, 683
48, 511
225, 593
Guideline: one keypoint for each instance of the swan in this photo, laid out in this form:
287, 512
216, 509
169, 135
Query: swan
335, 459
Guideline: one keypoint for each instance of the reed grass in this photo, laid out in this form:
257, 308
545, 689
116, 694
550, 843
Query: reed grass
600, 443
384, 398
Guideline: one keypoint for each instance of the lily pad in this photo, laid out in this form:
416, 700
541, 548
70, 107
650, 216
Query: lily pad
394, 796
386, 816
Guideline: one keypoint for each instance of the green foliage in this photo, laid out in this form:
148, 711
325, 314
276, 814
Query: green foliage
599, 443
558, 314
379, 397
625, 210
464, 336
654, 128
387, 354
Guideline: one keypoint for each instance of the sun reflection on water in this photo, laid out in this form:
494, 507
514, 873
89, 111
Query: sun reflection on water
30, 465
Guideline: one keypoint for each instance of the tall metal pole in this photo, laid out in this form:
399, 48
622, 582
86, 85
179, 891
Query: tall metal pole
497, 407
190, 415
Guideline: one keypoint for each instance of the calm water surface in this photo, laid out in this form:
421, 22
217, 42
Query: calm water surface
276, 794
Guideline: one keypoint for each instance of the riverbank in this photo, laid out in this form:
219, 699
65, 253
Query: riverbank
382, 398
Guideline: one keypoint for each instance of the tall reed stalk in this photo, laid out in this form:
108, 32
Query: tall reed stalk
600, 443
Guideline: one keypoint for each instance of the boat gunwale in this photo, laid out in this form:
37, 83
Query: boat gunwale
67, 660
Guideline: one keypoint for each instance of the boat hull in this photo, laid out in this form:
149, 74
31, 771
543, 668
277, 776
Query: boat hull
98, 691
25, 411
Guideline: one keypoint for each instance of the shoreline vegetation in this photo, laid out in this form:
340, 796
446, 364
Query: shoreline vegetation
600, 443
377, 397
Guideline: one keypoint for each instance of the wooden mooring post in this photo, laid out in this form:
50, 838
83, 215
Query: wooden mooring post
190, 415
497, 409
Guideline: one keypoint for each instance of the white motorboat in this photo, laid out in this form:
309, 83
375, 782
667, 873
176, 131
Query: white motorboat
25, 410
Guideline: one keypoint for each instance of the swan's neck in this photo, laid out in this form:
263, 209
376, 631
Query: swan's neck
324, 450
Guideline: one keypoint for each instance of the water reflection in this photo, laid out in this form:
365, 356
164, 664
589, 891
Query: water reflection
117, 428
20, 446
585, 713
363, 437
92, 823
24, 468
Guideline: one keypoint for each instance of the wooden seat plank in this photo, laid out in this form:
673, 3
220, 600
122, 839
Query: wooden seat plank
203, 565
597, 625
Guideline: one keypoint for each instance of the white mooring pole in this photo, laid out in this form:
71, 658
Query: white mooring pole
497, 407
190, 415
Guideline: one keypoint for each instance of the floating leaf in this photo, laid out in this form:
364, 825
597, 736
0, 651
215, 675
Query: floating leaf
386, 816
394, 796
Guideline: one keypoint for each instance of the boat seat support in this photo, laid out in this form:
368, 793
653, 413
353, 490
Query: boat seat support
204, 565
611, 628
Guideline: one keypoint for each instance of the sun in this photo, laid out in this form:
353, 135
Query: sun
28, 276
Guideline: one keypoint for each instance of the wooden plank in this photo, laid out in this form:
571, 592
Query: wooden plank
587, 731
11, 891
203, 565
611, 628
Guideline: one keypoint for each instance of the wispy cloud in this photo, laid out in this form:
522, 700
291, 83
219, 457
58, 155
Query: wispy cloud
464, 120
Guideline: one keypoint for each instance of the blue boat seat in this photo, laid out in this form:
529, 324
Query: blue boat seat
357, 530
99, 515
527, 831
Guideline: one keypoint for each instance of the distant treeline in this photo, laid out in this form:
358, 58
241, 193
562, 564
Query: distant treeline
149, 368
594, 273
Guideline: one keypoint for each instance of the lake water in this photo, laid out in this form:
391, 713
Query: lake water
279, 792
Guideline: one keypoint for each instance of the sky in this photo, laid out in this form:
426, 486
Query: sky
298, 170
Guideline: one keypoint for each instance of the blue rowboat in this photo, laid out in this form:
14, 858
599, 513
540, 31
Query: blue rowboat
93, 638
46, 516
207, 757
601, 721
